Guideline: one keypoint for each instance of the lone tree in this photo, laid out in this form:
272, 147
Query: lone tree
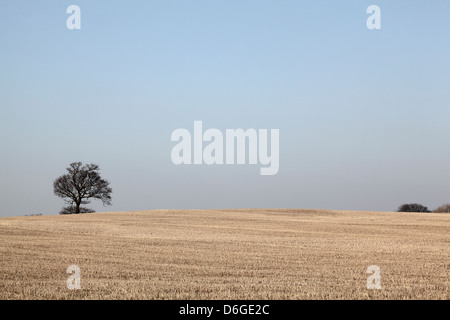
412, 207
81, 183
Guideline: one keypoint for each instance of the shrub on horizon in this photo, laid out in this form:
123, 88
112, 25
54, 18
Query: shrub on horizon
412, 207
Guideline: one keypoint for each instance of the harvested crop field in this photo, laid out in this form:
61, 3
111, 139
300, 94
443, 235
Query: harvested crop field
226, 254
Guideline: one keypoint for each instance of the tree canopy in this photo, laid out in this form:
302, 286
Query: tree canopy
79, 185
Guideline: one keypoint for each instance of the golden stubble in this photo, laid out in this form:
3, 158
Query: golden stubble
226, 254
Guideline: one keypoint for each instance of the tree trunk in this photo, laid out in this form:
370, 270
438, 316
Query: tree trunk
77, 208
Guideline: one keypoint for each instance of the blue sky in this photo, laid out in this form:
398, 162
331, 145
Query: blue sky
363, 114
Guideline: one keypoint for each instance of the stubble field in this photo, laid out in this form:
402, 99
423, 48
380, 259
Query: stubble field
226, 254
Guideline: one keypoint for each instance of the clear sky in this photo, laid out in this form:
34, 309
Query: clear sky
363, 114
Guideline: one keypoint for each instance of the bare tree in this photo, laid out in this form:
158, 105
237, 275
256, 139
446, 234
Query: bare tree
81, 183
445, 208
